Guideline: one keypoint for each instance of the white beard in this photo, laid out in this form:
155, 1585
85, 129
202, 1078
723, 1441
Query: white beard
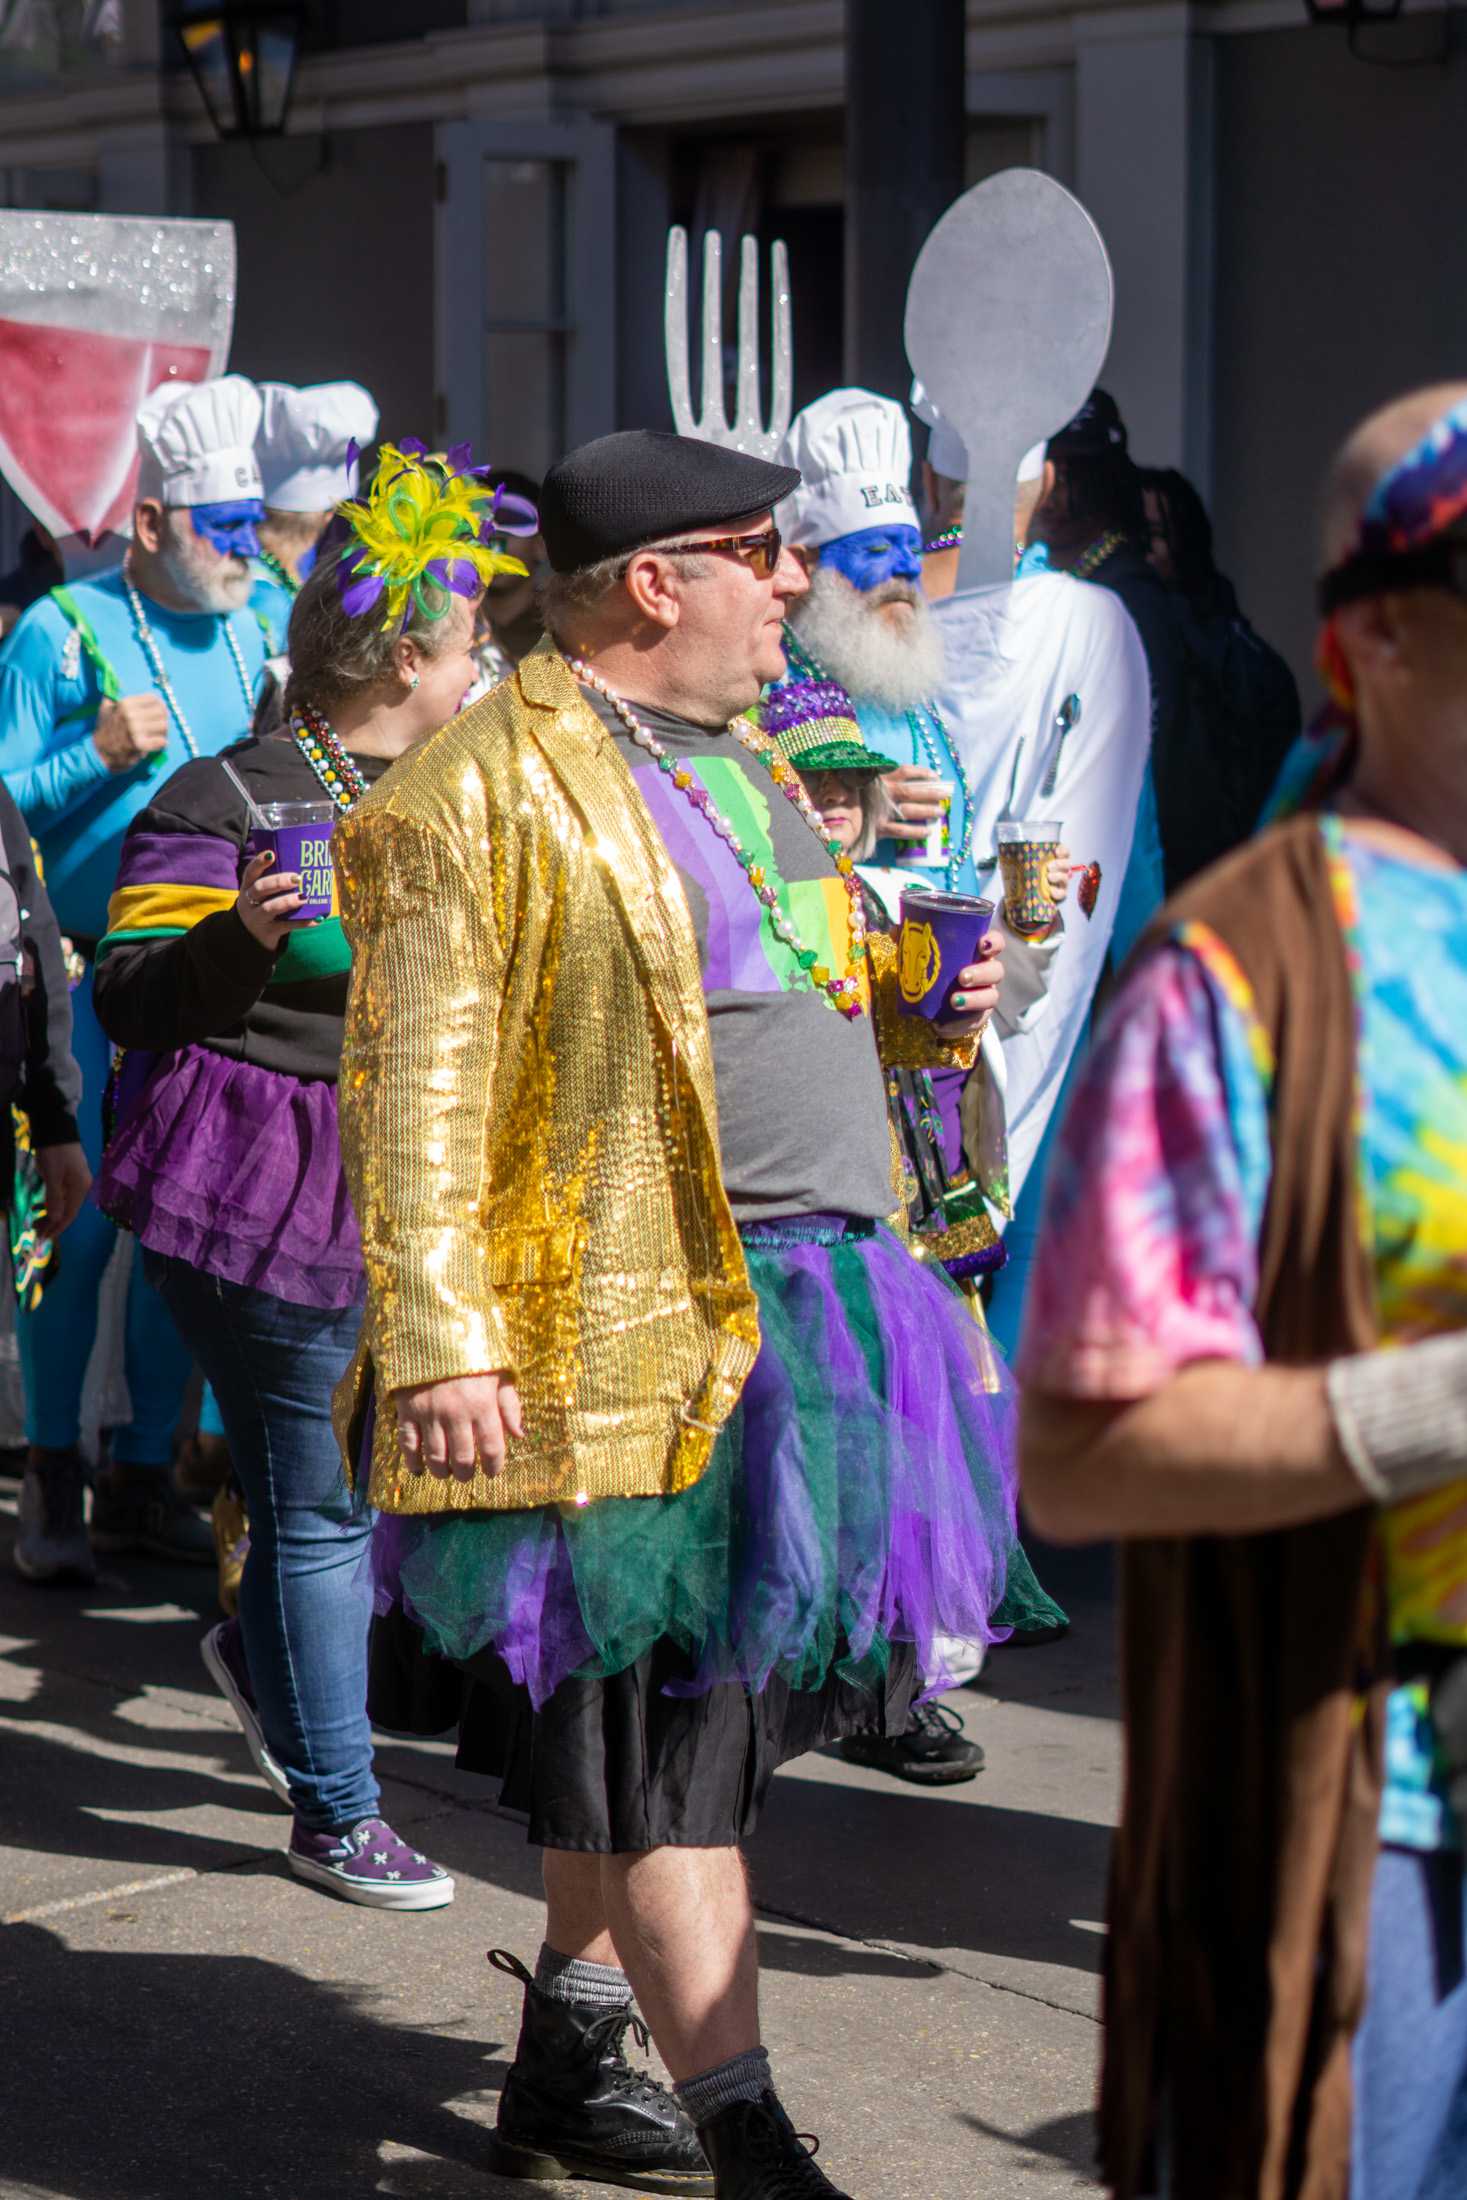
873, 661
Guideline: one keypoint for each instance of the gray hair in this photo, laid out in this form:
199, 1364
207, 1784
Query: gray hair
336, 656
876, 808
568, 600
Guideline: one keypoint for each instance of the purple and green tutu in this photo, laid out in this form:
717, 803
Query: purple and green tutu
861, 1495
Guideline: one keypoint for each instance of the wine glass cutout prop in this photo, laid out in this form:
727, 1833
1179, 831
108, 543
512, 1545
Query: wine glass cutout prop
1007, 327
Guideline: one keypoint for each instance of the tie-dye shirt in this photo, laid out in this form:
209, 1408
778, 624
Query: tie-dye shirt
1148, 1257
802, 1122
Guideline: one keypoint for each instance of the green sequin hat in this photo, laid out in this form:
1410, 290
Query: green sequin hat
814, 722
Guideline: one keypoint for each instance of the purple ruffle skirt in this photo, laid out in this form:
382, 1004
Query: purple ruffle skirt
237, 1170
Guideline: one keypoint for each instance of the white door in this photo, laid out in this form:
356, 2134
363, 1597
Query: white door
526, 288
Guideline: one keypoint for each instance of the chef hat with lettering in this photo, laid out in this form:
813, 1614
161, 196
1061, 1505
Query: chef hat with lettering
308, 443
196, 442
854, 453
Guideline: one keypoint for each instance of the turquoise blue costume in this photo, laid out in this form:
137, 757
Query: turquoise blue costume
69, 653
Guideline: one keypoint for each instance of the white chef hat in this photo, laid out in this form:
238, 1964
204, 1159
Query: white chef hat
854, 450
947, 453
197, 442
304, 439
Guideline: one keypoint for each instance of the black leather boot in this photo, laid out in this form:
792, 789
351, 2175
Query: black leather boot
758, 2155
573, 2106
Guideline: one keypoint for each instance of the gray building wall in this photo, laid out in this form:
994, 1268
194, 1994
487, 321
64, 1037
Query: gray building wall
335, 263
1340, 282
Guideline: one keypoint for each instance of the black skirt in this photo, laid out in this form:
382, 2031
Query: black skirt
614, 1766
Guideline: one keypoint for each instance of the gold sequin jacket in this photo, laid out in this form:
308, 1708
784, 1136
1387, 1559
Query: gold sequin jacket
528, 1119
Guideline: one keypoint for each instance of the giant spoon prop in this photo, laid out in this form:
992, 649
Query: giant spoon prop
1008, 323
749, 431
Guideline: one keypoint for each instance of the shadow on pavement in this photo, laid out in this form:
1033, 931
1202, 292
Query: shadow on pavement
824, 1855
1063, 2139
179, 2075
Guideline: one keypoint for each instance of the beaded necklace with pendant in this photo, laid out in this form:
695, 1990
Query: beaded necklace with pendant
161, 681
332, 764
842, 993
804, 661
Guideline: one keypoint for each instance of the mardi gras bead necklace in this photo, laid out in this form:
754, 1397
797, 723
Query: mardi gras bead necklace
1105, 546
951, 538
927, 741
278, 571
843, 993
149, 647
332, 764
927, 727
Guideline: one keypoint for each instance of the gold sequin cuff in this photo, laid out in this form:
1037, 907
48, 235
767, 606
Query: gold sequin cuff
438, 1317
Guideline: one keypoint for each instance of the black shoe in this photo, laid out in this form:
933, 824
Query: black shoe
573, 2106
934, 1751
141, 1509
51, 1542
758, 2155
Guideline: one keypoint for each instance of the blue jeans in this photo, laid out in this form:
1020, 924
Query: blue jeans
305, 1603
1410, 2135
56, 1340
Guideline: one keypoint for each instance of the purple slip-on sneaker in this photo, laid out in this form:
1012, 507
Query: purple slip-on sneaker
369, 1864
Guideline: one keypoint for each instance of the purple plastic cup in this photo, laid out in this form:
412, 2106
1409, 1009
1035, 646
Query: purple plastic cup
298, 835
940, 935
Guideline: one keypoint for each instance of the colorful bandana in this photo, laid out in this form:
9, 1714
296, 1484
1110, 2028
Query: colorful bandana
1414, 502
1424, 492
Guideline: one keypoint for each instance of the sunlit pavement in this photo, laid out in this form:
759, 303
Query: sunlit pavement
187, 2019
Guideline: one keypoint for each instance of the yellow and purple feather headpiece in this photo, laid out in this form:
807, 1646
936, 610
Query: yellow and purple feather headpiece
426, 518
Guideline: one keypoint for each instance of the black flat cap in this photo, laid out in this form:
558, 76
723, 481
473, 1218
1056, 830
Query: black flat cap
613, 495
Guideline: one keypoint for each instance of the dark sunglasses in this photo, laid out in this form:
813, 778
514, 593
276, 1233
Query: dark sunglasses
761, 552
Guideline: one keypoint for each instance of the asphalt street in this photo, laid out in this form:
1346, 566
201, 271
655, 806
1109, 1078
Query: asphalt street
185, 2019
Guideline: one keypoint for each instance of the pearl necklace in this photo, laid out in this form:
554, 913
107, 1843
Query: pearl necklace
926, 744
955, 859
843, 993
332, 764
150, 649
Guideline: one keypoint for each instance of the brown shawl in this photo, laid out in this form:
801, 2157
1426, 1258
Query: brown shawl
1252, 1681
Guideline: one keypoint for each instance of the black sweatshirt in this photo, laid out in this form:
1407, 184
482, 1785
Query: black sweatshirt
178, 967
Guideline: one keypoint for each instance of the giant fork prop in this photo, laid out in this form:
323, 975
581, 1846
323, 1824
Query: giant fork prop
748, 431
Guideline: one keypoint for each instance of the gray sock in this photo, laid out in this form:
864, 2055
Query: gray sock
572, 1978
742, 2078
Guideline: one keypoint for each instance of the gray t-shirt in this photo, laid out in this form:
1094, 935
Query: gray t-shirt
801, 1097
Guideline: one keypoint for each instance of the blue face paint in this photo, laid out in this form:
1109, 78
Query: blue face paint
874, 555
231, 529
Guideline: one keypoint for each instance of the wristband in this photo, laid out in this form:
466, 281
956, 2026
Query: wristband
1401, 1416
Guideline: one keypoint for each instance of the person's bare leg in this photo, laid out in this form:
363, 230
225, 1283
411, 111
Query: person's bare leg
683, 1927
575, 1909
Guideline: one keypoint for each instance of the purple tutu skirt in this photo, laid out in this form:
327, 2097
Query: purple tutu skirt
237, 1170
861, 1495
